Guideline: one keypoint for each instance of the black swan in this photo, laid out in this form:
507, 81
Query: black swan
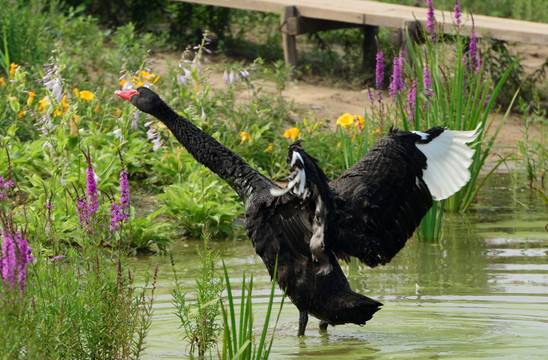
368, 212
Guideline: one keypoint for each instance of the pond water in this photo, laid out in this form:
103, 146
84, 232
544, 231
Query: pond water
481, 292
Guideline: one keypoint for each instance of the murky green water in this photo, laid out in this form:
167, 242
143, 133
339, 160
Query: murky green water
482, 292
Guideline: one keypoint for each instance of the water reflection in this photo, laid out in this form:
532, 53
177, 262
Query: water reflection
482, 291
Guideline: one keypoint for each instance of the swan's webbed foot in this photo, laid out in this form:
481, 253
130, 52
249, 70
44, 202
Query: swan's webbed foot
303, 320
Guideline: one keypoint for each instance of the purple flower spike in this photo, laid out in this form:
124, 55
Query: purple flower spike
91, 189
430, 20
9, 261
397, 76
380, 71
120, 212
457, 13
4, 185
411, 101
16, 254
82, 209
427, 82
473, 50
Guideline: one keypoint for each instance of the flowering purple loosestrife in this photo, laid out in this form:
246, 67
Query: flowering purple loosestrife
379, 79
411, 101
25, 252
9, 261
120, 212
84, 217
473, 52
16, 254
4, 185
430, 20
397, 75
91, 188
457, 13
427, 82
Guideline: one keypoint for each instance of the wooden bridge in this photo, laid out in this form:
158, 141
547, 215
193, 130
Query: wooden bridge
306, 16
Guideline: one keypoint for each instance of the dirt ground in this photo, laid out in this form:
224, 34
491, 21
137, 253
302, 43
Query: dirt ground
331, 102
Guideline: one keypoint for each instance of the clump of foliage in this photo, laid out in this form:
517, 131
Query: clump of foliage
239, 340
68, 302
199, 315
532, 153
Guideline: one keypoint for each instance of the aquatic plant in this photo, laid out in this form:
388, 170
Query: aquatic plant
199, 318
446, 86
239, 341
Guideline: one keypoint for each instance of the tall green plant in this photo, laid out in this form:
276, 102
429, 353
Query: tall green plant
239, 341
199, 318
457, 94
443, 83
71, 303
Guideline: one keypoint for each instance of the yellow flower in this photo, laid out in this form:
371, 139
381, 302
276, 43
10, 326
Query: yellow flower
118, 112
145, 74
156, 79
245, 136
2, 82
86, 95
270, 148
64, 106
44, 103
76, 92
345, 120
64, 103
292, 133
359, 121
21, 114
30, 100
122, 82
13, 66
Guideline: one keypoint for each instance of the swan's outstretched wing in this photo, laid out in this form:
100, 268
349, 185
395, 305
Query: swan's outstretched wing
384, 196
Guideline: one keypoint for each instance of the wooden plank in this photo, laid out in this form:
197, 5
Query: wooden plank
255, 5
363, 12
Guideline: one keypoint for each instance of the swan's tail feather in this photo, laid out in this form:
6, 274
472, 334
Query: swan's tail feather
353, 308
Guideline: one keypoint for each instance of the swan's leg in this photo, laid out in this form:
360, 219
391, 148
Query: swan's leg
323, 326
303, 320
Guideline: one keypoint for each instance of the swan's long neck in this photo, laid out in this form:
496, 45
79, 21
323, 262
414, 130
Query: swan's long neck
209, 152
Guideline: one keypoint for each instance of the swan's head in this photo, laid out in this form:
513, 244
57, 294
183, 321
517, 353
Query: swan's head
142, 98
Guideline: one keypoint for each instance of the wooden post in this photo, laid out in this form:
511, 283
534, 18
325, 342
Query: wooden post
288, 38
412, 28
369, 49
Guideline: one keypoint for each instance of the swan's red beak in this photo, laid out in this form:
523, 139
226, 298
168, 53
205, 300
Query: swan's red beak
126, 94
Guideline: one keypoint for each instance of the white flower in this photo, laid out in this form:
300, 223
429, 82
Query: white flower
48, 145
204, 118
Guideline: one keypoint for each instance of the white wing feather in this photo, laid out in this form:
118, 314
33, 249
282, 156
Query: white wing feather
447, 160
